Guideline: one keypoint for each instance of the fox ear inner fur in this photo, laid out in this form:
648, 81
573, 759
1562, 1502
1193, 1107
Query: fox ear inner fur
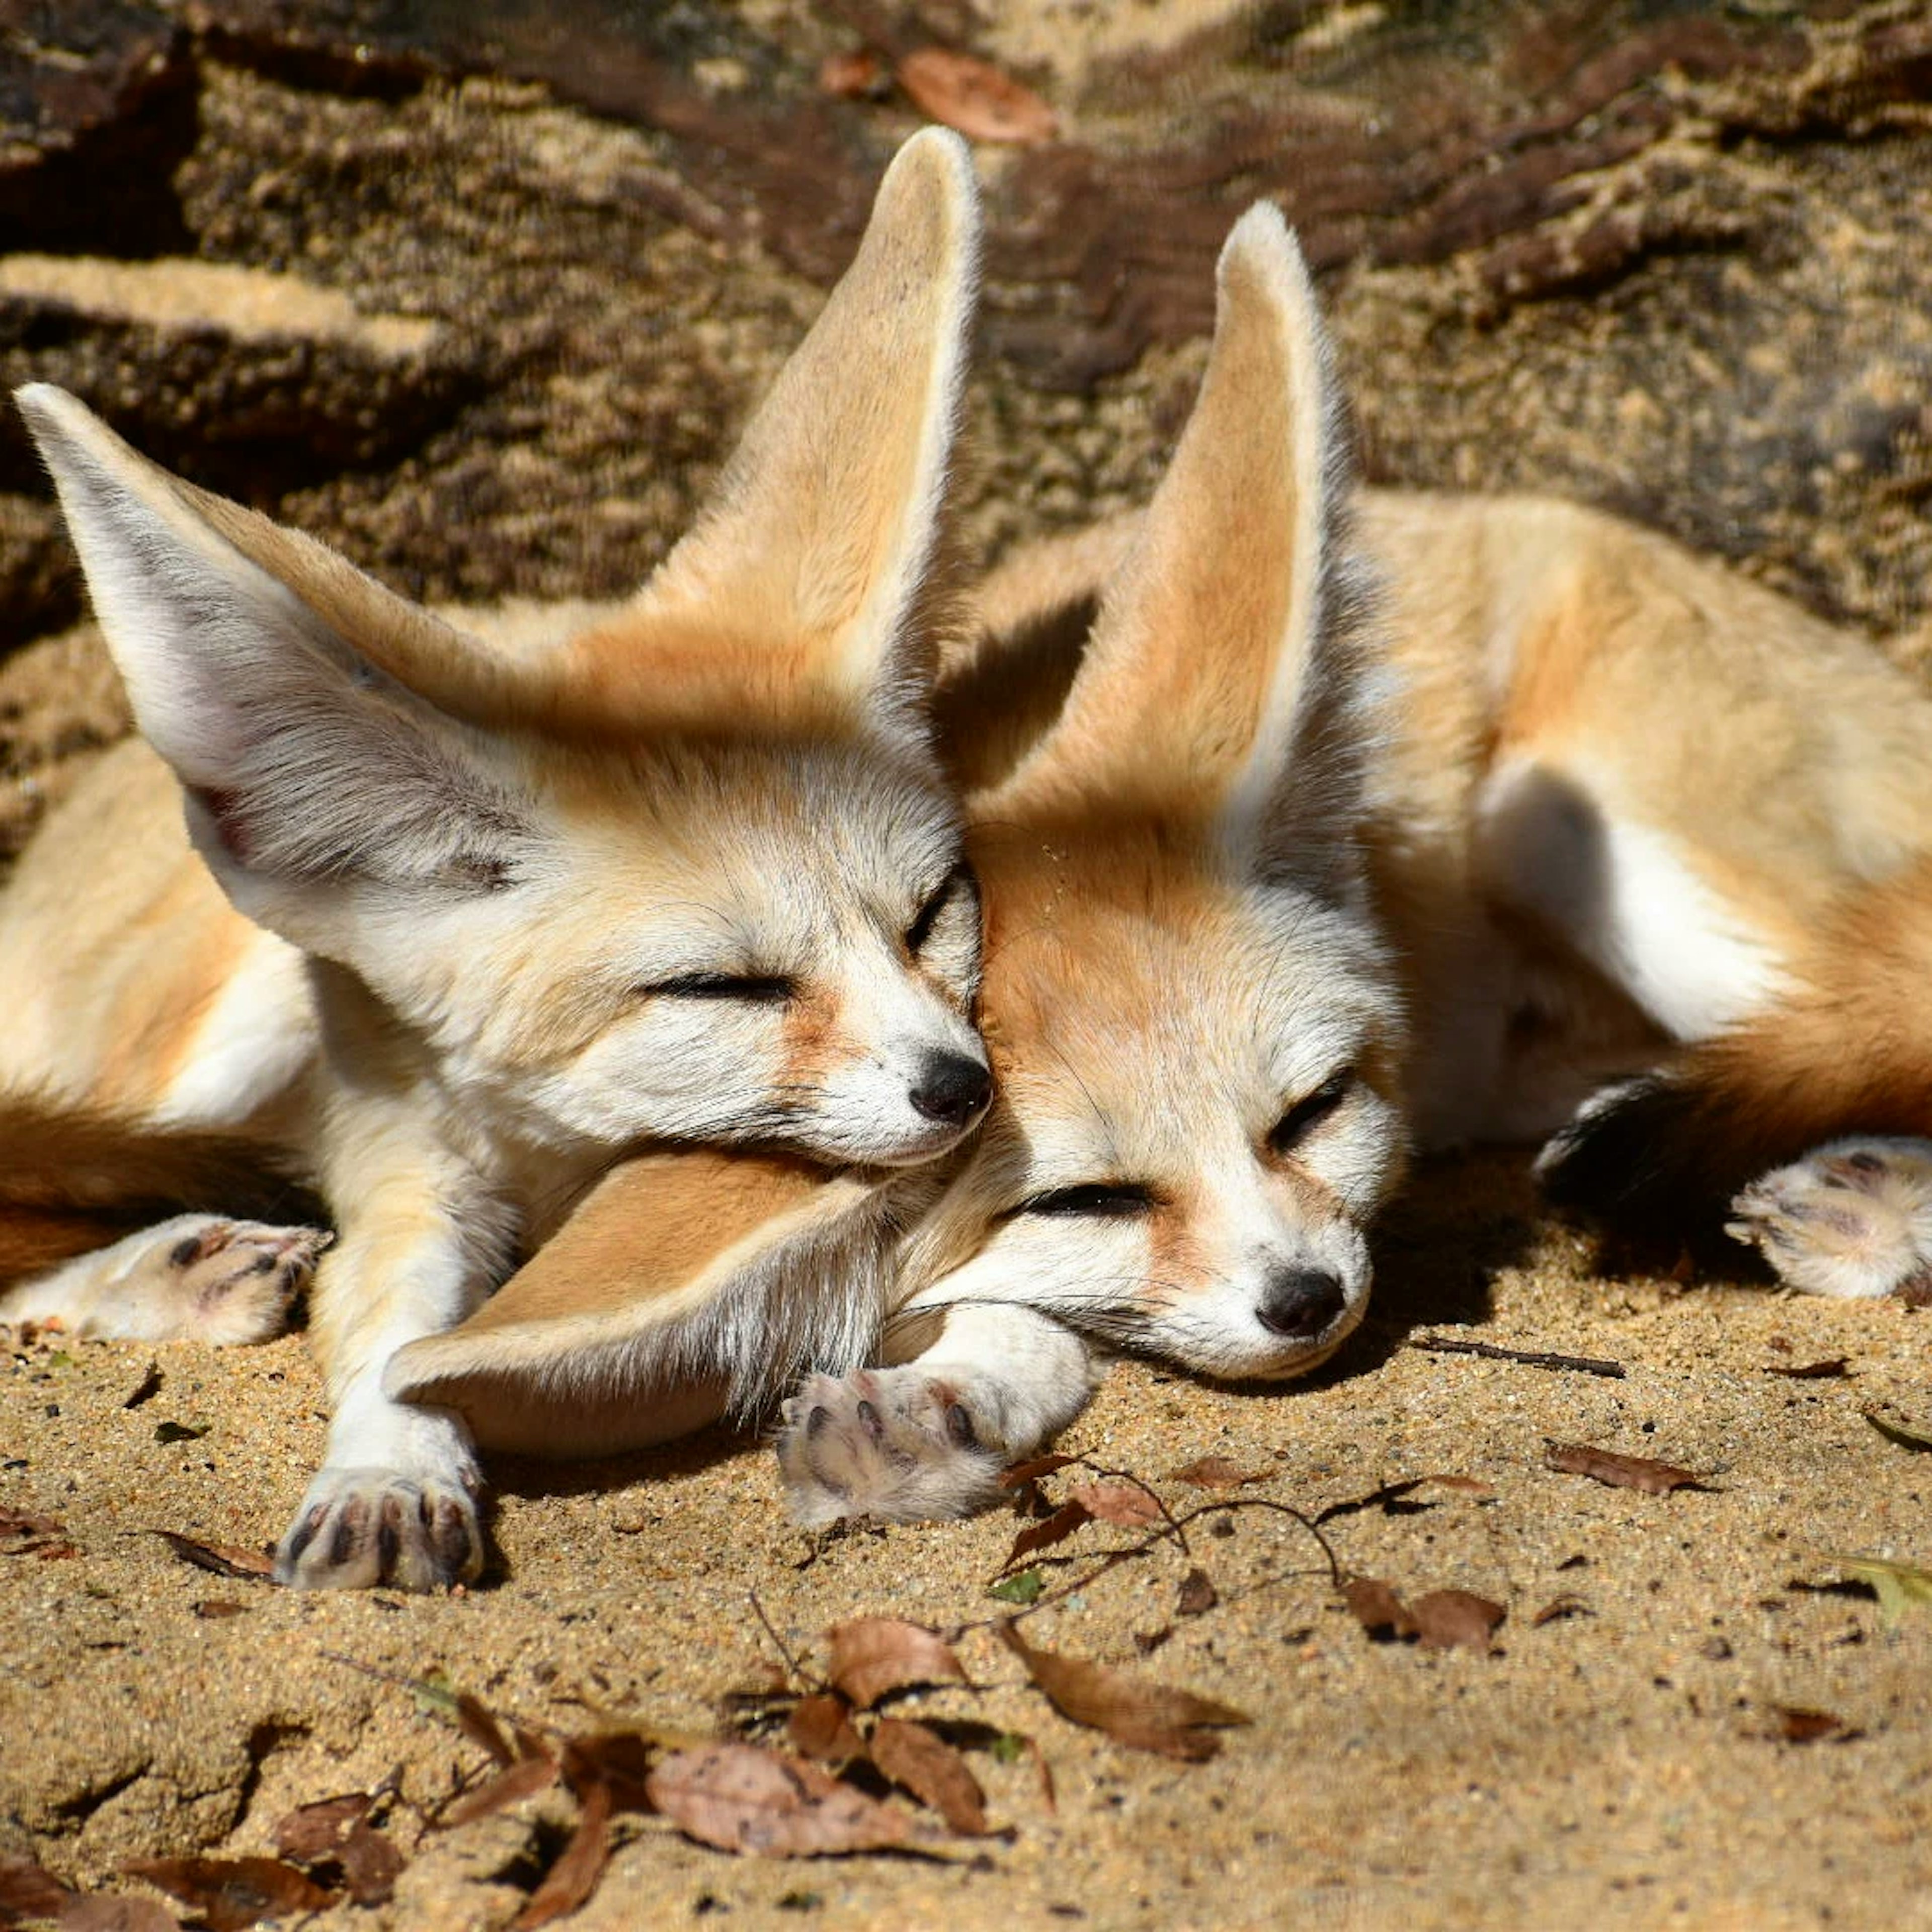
1257, 734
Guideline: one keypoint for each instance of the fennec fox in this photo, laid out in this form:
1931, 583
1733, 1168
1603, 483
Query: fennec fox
1192, 1022
1611, 808
450, 926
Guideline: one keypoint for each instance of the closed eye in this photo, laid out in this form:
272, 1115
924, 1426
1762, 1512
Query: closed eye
1106, 1201
959, 880
764, 989
1308, 1112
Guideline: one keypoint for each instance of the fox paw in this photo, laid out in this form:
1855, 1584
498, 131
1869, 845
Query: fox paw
360, 1528
899, 1445
1853, 1218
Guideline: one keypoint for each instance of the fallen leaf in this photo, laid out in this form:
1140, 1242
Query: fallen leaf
1797, 1725
1456, 1619
1143, 1716
821, 1727
1021, 1474
574, 1877
853, 74
1905, 1435
1900, 1588
225, 1559
1024, 1587
523, 1779
743, 1798
619, 1761
1834, 1365
1621, 1472
232, 1893
1376, 1606
981, 102
1217, 1472
371, 1863
1125, 1505
212, 1609
924, 1763
1197, 1595
1148, 1642
872, 1656
29, 1890
180, 1432
1558, 1607
1045, 1533
478, 1724
24, 1534
314, 1831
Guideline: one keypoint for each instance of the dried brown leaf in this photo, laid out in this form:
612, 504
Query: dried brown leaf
212, 1610
852, 74
1197, 1594
1021, 1473
922, 1761
1125, 1505
1893, 1429
1622, 1472
28, 1890
981, 102
1456, 1619
1217, 1472
1833, 1365
1376, 1606
1050, 1530
872, 1656
314, 1831
523, 1779
619, 1760
478, 1724
1146, 1716
22, 1533
1148, 1642
1558, 1607
224, 1559
574, 1877
372, 1862
1799, 1725
821, 1727
232, 1893
743, 1798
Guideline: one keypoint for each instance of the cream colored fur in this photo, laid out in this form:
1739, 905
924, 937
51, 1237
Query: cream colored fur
456, 923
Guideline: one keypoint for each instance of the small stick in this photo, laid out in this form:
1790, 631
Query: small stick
1582, 1365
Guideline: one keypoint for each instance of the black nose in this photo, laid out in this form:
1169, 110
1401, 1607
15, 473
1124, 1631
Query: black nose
1300, 1303
952, 1088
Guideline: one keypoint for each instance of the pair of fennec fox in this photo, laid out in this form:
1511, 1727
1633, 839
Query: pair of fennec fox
646, 951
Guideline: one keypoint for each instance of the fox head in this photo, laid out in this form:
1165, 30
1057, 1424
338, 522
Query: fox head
1195, 1035
692, 874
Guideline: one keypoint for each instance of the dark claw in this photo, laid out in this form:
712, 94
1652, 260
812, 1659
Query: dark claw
388, 1538
185, 1252
870, 1421
959, 1427
818, 1421
302, 1535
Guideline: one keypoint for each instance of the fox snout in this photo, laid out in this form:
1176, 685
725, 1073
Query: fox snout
952, 1090
1301, 1304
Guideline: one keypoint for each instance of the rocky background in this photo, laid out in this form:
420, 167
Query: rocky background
480, 292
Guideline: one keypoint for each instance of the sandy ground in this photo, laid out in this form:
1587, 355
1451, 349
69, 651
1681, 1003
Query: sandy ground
1621, 1764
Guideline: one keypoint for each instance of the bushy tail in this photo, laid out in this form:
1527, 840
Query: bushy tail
1848, 1051
72, 1180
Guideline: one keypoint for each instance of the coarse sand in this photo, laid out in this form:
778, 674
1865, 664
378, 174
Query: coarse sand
1620, 1760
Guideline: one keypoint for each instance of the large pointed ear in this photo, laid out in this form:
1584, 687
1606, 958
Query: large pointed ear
685, 1287
820, 552
1223, 682
294, 697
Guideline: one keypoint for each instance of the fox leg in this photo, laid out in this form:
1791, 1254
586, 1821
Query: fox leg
197, 1277
928, 1440
396, 1501
1853, 1218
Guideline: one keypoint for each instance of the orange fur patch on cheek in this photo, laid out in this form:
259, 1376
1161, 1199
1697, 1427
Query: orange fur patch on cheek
812, 1042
